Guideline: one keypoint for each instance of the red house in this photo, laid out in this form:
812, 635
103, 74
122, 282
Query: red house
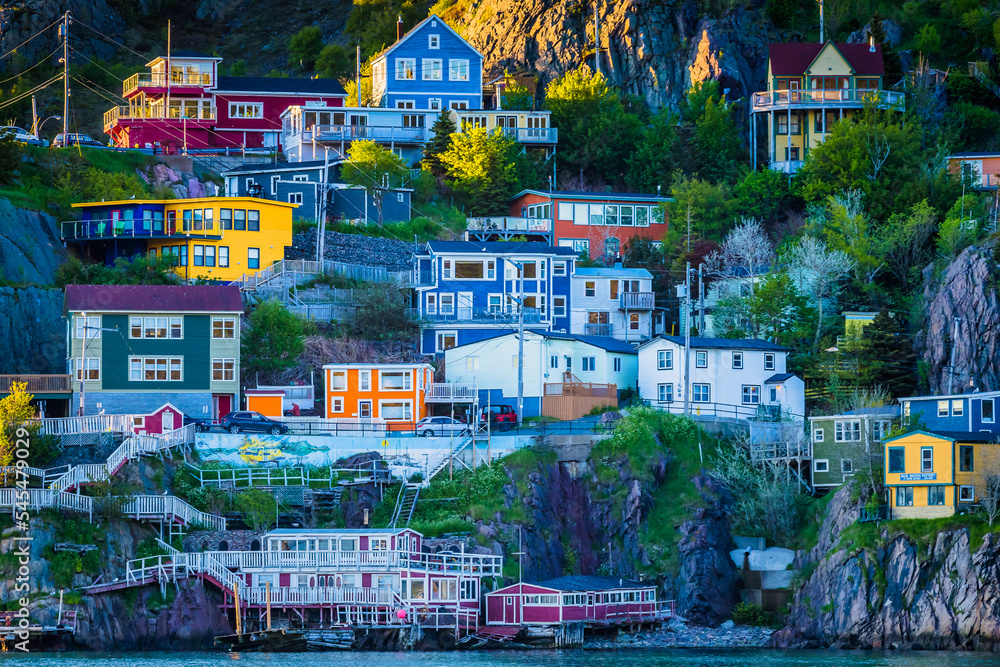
601, 600
183, 103
165, 418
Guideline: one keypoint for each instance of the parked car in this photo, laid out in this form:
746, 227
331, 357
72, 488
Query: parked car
74, 139
432, 426
200, 425
245, 420
22, 135
499, 414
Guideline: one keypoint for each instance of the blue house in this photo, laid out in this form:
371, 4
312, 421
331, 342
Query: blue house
430, 67
468, 291
974, 412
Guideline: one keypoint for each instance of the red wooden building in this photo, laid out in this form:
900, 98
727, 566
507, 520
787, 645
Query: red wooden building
183, 103
165, 418
594, 599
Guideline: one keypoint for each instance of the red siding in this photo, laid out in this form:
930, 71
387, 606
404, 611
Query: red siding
366, 580
364, 543
284, 580
540, 614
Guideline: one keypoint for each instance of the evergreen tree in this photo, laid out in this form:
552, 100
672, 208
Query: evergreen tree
889, 359
441, 130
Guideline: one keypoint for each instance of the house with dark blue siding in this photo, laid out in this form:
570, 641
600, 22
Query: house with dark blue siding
467, 291
973, 412
430, 67
303, 183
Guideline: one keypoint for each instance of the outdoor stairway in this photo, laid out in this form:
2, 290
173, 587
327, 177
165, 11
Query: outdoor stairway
406, 502
437, 466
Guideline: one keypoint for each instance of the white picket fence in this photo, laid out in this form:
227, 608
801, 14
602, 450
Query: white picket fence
91, 424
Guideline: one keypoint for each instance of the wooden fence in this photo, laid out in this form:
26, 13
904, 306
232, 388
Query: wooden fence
572, 400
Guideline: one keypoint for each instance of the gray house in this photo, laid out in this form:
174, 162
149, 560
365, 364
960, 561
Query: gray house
303, 183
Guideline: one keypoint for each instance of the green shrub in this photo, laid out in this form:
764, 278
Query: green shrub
751, 614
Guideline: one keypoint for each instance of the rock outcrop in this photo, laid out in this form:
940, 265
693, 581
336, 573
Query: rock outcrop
22, 19
966, 289
30, 248
32, 331
392, 254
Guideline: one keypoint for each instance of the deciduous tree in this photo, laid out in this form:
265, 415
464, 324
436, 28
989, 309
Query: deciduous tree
271, 341
481, 165
305, 46
375, 168
15, 411
258, 507
821, 268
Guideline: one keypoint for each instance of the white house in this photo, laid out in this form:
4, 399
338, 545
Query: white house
740, 379
491, 364
614, 301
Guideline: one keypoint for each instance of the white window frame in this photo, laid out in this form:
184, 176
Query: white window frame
228, 326
427, 67
407, 380
221, 362
433, 42
701, 358
701, 385
821, 465
751, 393
255, 109
845, 430
818, 434
459, 62
171, 361
334, 377
364, 380
400, 66
459, 105
982, 415
558, 306
92, 364
769, 361
434, 103
431, 303
663, 390
336, 404
738, 360
957, 407
588, 361
407, 410
439, 335
89, 326
664, 360
971, 497
295, 198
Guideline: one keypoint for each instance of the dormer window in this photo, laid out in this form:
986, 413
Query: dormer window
434, 41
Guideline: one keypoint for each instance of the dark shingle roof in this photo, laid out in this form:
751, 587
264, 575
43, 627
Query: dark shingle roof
968, 436
500, 248
793, 59
154, 298
583, 194
884, 411
252, 167
602, 342
591, 583
266, 84
778, 377
727, 343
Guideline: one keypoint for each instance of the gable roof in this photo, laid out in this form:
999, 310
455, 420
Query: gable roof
266, 84
253, 168
580, 194
412, 31
602, 342
500, 248
723, 343
971, 394
778, 378
953, 436
795, 59
592, 583
153, 298
611, 271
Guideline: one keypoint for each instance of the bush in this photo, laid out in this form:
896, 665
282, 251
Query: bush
751, 614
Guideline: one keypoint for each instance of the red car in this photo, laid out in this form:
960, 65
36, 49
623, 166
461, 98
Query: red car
499, 414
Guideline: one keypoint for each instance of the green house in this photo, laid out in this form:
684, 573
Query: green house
844, 443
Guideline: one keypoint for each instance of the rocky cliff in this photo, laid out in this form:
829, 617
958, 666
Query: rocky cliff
876, 587
22, 19
32, 331
966, 289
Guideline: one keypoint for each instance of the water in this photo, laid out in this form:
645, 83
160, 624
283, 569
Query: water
589, 658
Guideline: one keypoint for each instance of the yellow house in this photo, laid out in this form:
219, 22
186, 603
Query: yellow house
216, 238
930, 475
811, 87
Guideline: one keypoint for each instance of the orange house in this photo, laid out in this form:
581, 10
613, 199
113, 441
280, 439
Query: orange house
265, 401
391, 393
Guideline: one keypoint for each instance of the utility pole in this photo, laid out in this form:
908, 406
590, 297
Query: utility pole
687, 339
34, 118
689, 228
357, 75
520, 342
597, 38
951, 357
701, 299
65, 36
821, 21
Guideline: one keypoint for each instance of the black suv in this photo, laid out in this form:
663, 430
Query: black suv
245, 420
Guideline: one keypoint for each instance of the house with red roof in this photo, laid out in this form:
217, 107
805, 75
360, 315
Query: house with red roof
134, 348
812, 87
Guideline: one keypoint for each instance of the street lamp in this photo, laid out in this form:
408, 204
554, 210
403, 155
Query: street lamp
38, 132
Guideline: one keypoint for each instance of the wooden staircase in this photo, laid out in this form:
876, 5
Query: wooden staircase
406, 503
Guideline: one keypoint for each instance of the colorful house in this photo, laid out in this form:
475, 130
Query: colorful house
183, 104
613, 301
211, 237
430, 67
598, 223
136, 347
934, 474
468, 291
975, 412
165, 418
983, 169
845, 443
603, 601
810, 87
391, 394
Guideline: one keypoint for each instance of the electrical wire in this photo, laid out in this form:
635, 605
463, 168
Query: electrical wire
59, 20
18, 98
113, 41
17, 76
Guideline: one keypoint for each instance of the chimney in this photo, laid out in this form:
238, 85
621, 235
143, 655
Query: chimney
399, 27
871, 43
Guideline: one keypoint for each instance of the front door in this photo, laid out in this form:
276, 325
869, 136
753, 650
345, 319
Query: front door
509, 611
464, 305
222, 405
167, 421
364, 409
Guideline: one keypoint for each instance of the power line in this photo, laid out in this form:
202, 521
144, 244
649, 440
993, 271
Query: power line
13, 100
113, 41
17, 76
58, 20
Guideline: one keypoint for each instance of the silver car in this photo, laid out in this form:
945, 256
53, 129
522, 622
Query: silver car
438, 426
22, 135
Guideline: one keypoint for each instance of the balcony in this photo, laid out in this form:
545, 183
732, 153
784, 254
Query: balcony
159, 80
636, 301
532, 135
423, 278
446, 392
390, 134
604, 330
508, 224
112, 116
109, 228
787, 166
38, 384
851, 98
485, 315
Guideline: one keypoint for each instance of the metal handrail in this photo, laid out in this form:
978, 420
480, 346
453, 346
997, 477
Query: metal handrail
770, 99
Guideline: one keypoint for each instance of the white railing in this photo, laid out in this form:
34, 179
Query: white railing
532, 135
353, 595
370, 133
636, 301
451, 391
172, 507
769, 100
509, 224
91, 424
445, 562
300, 270
114, 114
787, 166
41, 498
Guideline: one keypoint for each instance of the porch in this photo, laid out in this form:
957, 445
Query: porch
847, 98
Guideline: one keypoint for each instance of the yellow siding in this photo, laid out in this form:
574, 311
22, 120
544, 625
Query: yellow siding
924, 512
829, 62
943, 465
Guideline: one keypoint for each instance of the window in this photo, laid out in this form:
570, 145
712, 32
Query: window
336, 404
957, 408
702, 393
434, 104
751, 394
590, 288
926, 459
223, 370
395, 380
987, 410
558, 268
897, 459
459, 105
633, 321
942, 408
665, 392
821, 465
176, 327
880, 429
155, 369
447, 304
183, 261
88, 326
589, 364
472, 363
223, 256
769, 361
618, 364
446, 340
246, 110
338, 381
431, 69
469, 589
967, 494
432, 304
935, 495
737, 360
470, 270
404, 104
433, 41
405, 69
294, 197
613, 289
459, 70
559, 306
701, 359
847, 466
847, 431
665, 360
226, 218
240, 220
210, 255
904, 496
224, 327
93, 368
554, 361
396, 410
783, 123
253, 221
253, 258
199, 255
966, 458
186, 217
